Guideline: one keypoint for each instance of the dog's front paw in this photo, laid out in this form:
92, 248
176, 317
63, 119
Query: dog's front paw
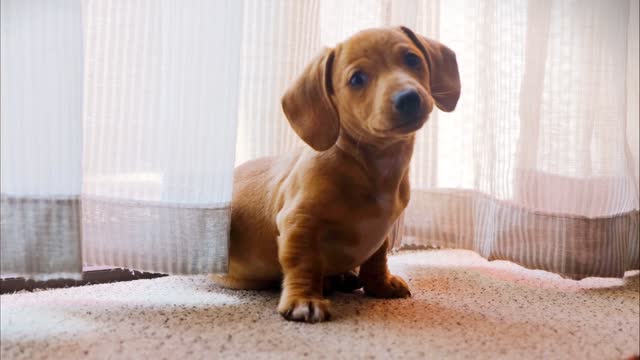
389, 287
309, 310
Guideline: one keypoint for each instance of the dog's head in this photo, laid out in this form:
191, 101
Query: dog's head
379, 85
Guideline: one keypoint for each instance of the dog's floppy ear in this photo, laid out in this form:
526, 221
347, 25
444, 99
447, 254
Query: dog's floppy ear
308, 106
443, 70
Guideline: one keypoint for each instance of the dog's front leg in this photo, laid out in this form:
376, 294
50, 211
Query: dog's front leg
376, 279
301, 298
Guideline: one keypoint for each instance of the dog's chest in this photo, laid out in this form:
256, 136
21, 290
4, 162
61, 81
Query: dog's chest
364, 232
375, 224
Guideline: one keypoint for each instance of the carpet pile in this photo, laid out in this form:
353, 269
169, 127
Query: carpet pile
462, 307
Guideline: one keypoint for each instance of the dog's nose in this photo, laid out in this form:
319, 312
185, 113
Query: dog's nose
407, 103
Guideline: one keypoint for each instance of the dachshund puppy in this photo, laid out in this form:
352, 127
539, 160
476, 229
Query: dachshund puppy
327, 209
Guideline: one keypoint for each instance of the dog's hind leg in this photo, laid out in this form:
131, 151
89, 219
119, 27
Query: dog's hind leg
231, 282
346, 282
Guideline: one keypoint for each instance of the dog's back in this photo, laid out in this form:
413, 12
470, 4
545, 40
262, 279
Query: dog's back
253, 250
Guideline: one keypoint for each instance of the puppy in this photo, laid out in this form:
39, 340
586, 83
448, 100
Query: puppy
327, 209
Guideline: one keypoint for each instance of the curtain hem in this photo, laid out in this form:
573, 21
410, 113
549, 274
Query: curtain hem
41, 238
152, 237
574, 247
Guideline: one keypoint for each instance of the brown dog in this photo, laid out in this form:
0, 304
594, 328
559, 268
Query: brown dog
328, 210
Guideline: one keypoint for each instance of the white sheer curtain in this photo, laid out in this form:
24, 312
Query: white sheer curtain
160, 115
41, 69
127, 110
539, 162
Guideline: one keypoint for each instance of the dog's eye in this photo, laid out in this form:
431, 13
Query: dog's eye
412, 60
358, 80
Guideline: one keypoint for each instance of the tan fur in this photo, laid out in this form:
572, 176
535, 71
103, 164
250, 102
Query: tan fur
328, 209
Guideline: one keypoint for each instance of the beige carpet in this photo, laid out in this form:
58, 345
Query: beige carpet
462, 307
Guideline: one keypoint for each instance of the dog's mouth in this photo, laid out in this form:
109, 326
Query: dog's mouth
399, 127
409, 125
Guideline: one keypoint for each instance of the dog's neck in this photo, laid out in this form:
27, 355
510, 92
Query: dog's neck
386, 164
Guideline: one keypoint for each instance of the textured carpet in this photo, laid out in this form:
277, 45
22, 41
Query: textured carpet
462, 307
